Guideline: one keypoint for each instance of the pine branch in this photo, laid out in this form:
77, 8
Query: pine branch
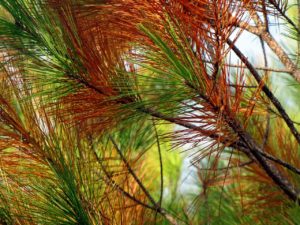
269, 168
253, 150
157, 207
267, 91
118, 187
261, 31
139, 182
111, 182
244, 149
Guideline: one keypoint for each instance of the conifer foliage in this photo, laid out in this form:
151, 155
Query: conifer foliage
107, 105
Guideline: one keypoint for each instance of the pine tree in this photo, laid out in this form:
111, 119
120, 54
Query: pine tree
106, 105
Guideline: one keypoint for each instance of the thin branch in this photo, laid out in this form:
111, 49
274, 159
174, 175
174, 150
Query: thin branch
266, 90
267, 131
160, 165
132, 172
269, 168
264, 51
162, 211
265, 13
156, 207
283, 163
243, 86
277, 114
117, 186
260, 31
283, 14
264, 68
227, 167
